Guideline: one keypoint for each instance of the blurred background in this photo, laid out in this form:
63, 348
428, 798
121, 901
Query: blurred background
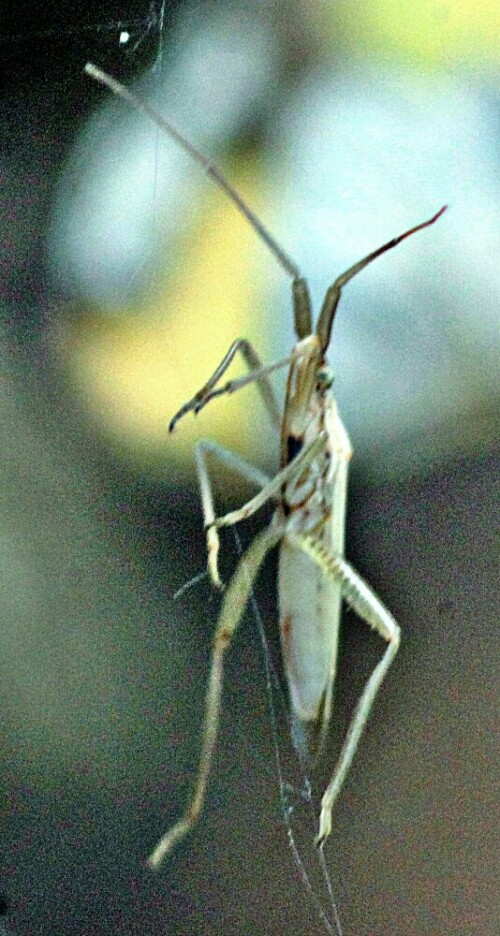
125, 277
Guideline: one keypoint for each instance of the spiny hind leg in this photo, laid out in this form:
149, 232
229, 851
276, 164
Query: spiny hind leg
363, 600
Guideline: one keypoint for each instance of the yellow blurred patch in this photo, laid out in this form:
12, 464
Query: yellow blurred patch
459, 33
134, 371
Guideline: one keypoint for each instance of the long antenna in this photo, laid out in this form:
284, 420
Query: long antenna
212, 171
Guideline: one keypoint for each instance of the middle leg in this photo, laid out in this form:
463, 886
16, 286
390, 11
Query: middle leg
270, 488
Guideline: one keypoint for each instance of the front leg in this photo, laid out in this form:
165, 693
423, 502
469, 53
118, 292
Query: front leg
363, 600
256, 372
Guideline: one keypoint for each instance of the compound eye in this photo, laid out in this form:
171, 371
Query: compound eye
324, 378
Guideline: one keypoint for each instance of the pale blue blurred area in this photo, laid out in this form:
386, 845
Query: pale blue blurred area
415, 345
115, 222
353, 156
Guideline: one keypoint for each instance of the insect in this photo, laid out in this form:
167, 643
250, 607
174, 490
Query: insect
309, 491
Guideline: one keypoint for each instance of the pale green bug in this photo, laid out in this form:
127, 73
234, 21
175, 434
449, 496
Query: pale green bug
310, 490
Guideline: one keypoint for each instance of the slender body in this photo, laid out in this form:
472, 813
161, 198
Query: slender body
315, 503
310, 494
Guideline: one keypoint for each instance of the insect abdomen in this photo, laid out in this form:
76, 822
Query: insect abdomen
309, 616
